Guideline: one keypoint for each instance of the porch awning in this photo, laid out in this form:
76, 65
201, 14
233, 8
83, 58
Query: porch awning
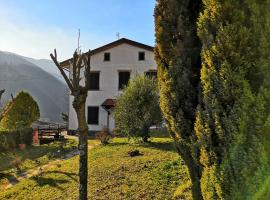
108, 104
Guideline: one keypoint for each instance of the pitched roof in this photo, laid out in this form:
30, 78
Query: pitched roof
65, 63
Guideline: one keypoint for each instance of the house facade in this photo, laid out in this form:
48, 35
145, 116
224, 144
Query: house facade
112, 65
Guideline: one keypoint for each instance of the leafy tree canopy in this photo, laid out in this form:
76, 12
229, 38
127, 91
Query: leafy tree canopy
138, 108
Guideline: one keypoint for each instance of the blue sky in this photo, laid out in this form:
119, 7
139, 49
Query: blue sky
34, 28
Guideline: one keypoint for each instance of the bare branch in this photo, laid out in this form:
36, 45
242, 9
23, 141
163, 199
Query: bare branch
77, 62
79, 66
74, 70
55, 54
54, 58
87, 64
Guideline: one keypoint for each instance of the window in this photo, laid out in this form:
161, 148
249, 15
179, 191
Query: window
107, 56
94, 81
92, 115
123, 79
151, 74
141, 55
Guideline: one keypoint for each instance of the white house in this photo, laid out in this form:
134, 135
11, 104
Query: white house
112, 65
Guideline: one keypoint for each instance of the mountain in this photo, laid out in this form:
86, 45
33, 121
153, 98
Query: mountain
46, 65
18, 73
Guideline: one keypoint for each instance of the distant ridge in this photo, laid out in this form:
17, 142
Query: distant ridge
19, 73
46, 65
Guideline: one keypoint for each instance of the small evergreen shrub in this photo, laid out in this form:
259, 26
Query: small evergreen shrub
23, 109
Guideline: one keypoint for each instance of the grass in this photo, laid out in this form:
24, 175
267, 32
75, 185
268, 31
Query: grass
112, 174
32, 157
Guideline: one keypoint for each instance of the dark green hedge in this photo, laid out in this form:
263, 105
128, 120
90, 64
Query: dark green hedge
11, 139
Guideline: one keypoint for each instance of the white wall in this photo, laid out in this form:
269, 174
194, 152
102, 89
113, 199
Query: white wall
123, 57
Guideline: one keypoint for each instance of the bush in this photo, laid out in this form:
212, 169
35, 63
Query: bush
26, 136
7, 140
138, 108
117, 133
104, 135
22, 110
11, 139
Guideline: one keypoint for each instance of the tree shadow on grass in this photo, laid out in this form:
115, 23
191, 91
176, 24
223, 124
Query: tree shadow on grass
32, 153
53, 182
116, 144
164, 146
70, 175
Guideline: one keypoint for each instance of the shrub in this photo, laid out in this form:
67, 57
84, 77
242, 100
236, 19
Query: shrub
11, 139
138, 108
22, 110
26, 136
104, 135
7, 140
117, 133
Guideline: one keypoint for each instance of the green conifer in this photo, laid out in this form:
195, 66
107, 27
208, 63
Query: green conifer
23, 109
235, 101
217, 106
178, 58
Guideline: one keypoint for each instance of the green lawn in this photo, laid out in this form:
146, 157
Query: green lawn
32, 157
112, 174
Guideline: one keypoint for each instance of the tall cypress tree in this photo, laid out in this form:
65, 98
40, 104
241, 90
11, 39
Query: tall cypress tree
178, 57
217, 107
233, 116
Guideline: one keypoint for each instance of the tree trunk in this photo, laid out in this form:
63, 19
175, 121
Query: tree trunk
193, 169
196, 184
79, 106
145, 138
146, 135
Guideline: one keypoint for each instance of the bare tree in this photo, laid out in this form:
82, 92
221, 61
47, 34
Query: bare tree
80, 64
